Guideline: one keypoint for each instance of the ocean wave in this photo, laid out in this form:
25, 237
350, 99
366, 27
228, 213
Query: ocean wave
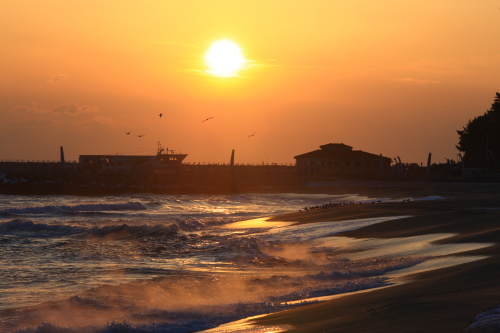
75, 208
366, 268
337, 275
126, 231
190, 319
190, 224
246, 250
32, 229
28, 228
152, 321
334, 288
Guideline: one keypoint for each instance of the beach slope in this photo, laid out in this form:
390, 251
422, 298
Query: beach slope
441, 300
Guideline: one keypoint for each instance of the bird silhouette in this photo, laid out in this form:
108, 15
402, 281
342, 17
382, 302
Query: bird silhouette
161, 114
206, 119
141, 135
252, 134
127, 133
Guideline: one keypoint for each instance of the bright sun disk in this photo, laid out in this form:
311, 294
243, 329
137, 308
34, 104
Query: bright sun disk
224, 58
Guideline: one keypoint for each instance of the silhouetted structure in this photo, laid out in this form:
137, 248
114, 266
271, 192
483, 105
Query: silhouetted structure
165, 161
62, 156
233, 178
339, 161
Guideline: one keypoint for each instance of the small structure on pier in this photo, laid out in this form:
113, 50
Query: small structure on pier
165, 161
338, 161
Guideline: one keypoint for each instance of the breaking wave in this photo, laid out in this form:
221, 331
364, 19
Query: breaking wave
126, 231
75, 208
28, 228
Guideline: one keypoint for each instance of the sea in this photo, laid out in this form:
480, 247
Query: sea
188, 263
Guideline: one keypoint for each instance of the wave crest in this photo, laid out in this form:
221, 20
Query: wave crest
75, 208
126, 231
41, 230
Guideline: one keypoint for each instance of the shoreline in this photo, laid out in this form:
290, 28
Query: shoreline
442, 300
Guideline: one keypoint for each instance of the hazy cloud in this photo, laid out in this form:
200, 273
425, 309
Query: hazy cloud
436, 66
272, 64
100, 121
27, 109
63, 117
415, 81
175, 44
57, 78
249, 65
75, 109
34, 109
197, 72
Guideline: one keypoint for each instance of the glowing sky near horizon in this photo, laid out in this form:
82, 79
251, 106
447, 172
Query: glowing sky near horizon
388, 77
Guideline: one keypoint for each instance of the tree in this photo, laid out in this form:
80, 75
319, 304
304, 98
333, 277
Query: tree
480, 139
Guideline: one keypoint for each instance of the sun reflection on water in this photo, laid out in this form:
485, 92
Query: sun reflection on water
257, 223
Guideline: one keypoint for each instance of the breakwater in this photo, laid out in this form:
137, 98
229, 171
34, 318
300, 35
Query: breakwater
76, 178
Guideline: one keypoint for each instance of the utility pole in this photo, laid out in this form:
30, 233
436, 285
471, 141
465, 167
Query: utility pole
232, 175
62, 156
429, 165
381, 167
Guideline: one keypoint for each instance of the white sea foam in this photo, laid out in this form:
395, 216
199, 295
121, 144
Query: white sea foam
487, 321
311, 231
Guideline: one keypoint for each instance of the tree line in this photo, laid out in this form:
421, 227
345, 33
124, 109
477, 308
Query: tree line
479, 141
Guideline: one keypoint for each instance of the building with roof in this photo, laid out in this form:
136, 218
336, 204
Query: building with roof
338, 161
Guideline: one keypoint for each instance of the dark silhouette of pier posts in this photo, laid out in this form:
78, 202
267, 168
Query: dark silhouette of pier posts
381, 167
429, 165
62, 156
232, 174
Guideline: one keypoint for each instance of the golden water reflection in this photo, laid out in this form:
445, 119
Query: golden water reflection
257, 223
246, 326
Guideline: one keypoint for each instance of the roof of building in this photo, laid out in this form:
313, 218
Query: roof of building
339, 150
335, 146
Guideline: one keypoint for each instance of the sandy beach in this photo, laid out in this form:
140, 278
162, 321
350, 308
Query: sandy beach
441, 300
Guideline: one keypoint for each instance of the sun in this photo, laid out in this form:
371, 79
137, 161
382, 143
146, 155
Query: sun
224, 58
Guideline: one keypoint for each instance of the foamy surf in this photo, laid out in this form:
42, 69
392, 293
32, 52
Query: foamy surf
183, 264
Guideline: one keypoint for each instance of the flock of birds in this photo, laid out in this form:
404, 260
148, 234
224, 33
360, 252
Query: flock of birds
161, 115
345, 203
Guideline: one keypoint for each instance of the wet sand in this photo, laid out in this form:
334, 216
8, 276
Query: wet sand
442, 300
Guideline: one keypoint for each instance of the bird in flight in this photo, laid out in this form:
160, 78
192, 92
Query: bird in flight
161, 114
252, 134
127, 133
141, 135
206, 119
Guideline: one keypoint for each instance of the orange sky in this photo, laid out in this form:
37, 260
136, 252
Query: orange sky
388, 76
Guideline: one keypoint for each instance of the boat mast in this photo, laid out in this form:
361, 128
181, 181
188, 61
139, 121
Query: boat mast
161, 149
